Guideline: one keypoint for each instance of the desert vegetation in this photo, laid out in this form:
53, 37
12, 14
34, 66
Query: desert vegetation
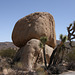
61, 55
8, 53
38, 53
56, 65
42, 45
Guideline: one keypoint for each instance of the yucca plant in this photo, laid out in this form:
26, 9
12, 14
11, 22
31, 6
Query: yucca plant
63, 39
43, 40
71, 33
55, 54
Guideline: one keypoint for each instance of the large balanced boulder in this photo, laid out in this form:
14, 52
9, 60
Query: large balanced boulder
33, 26
31, 54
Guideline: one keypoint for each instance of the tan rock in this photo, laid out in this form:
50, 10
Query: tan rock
34, 26
31, 54
5, 71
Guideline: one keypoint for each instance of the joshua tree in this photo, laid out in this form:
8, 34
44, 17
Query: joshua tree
63, 39
54, 59
42, 45
71, 34
52, 56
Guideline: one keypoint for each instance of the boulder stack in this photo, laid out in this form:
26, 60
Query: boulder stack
26, 34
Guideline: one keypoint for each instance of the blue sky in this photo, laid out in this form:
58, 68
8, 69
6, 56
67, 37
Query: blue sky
11, 11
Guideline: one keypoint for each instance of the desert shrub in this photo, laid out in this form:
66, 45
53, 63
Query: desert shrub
18, 66
70, 57
41, 71
71, 65
8, 53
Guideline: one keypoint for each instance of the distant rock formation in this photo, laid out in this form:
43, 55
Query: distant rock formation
6, 45
33, 26
26, 35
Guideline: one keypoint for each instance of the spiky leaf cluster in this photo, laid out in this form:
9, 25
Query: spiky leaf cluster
41, 45
43, 39
63, 38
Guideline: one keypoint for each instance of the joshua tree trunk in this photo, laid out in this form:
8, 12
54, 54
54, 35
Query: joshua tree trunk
52, 57
44, 57
62, 56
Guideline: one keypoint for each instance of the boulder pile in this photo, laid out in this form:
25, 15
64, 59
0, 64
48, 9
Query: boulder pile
26, 35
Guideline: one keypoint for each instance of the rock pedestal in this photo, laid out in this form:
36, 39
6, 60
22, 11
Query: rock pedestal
31, 54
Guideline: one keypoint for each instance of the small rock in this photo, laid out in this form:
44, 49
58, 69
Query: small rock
5, 71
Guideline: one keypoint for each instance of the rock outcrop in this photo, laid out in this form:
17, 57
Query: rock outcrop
33, 26
26, 34
31, 54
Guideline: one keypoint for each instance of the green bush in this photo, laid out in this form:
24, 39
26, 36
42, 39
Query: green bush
8, 53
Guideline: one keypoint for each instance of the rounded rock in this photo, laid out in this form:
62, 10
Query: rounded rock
34, 26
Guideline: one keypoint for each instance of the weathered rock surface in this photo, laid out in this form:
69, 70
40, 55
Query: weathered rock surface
34, 26
31, 54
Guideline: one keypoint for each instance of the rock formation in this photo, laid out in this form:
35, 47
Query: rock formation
26, 35
31, 54
33, 26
